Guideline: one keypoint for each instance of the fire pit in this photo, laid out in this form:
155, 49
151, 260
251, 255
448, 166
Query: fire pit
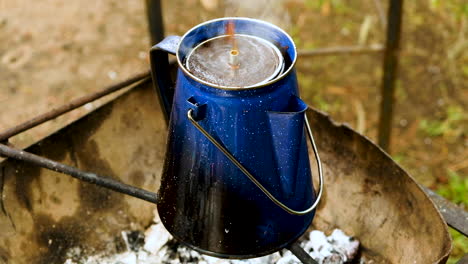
44, 213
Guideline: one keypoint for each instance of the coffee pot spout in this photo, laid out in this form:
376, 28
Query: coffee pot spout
287, 128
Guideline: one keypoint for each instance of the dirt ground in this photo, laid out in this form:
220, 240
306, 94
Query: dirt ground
52, 51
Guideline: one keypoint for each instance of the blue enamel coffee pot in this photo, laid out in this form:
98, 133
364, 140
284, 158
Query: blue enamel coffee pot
236, 181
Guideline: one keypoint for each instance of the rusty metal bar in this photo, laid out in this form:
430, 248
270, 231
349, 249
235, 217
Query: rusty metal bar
301, 254
344, 50
390, 67
78, 174
455, 217
463, 260
155, 21
56, 112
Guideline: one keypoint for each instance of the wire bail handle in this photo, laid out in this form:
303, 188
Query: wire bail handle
254, 180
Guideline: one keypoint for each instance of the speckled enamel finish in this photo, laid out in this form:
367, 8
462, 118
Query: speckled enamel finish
206, 201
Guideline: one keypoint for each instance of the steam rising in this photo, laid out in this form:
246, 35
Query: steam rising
272, 11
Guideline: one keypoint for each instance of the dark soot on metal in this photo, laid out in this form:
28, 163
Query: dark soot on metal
259, 61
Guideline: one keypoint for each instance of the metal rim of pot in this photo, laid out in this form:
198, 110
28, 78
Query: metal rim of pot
263, 84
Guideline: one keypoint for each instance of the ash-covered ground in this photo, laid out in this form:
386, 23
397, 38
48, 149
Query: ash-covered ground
156, 246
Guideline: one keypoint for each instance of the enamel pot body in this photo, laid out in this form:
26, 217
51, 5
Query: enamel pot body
206, 201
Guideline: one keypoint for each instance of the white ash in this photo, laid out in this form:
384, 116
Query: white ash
336, 248
160, 248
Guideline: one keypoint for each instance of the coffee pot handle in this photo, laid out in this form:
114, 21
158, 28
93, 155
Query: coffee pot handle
160, 72
254, 180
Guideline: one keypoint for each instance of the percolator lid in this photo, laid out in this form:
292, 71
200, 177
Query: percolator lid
257, 61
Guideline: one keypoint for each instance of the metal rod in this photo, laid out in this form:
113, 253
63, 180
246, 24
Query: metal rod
301, 254
345, 50
155, 21
56, 112
390, 67
463, 260
78, 174
455, 216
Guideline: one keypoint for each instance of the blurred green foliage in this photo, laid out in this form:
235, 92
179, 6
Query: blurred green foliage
456, 189
465, 70
399, 157
450, 127
457, 7
340, 6
460, 246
